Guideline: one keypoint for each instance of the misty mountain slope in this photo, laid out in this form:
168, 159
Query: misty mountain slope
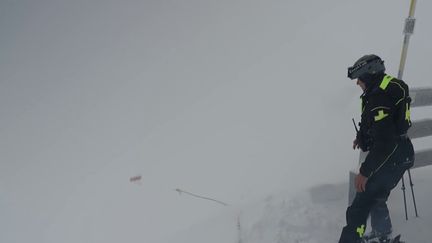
316, 215
234, 100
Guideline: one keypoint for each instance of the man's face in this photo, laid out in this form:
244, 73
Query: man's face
361, 84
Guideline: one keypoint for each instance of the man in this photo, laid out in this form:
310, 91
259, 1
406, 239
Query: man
385, 120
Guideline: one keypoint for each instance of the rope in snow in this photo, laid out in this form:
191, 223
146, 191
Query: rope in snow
198, 196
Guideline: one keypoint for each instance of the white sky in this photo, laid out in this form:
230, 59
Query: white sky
230, 99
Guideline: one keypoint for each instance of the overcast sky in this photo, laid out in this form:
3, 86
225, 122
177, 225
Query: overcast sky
230, 99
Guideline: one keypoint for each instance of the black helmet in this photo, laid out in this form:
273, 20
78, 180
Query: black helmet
368, 65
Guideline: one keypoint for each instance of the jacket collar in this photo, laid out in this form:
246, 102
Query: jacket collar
373, 87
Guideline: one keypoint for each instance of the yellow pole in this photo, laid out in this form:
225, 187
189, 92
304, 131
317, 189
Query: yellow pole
408, 31
412, 8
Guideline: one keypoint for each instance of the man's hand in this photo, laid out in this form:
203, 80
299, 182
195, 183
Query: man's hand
360, 182
360, 143
356, 144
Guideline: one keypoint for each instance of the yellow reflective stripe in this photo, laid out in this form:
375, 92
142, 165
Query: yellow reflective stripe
407, 113
385, 82
403, 90
379, 167
381, 115
361, 230
380, 107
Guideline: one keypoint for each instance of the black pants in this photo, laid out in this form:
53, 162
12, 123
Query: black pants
373, 199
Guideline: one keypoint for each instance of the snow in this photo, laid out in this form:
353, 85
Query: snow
311, 216
242, 101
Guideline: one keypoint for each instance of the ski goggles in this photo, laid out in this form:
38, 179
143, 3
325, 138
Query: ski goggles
372, 67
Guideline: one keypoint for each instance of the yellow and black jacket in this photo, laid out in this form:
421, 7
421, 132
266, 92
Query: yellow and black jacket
385, 119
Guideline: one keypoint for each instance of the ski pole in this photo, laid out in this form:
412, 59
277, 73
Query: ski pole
412, 191
404, 197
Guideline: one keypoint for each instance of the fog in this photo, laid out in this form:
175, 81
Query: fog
228, 99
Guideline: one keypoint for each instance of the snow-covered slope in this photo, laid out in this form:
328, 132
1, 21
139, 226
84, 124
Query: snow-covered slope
236, 100
313, 216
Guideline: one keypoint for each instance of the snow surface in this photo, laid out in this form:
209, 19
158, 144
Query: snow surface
246, 102
311, 216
